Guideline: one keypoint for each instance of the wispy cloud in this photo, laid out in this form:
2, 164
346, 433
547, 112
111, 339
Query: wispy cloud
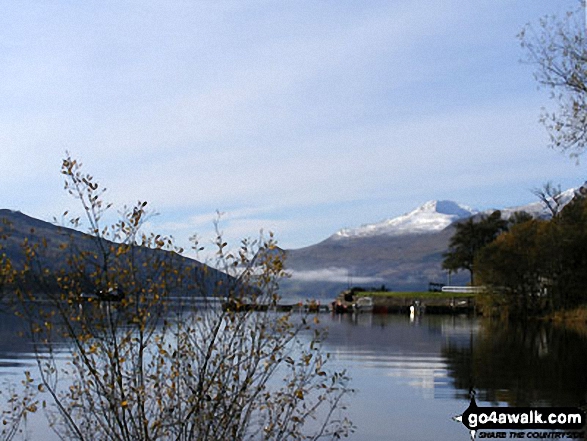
335, 275
299, 117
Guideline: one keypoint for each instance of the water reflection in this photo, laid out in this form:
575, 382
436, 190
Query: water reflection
519, 364
404, 390
522, 364
413, 375
402, 347
15, 352
418, 372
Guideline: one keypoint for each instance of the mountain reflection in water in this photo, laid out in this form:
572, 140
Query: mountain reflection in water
413, 376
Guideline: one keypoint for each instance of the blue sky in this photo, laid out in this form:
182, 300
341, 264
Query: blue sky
300, 117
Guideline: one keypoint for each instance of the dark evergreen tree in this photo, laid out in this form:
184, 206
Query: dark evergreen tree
470, 237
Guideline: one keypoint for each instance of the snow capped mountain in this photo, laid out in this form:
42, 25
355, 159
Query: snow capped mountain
538, 209
429, 217
435, 216
393, 252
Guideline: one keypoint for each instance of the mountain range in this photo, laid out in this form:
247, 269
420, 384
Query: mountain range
404, 253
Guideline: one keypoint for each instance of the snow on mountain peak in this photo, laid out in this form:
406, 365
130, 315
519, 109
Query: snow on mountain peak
436, 215
429, 217
449, 208
538, 209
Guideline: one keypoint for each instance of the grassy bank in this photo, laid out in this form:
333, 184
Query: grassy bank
413, 295
432, 302
574, 319
574, 315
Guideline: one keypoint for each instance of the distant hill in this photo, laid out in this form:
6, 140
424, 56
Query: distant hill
16, 227
401, 254
404, 253
433, 216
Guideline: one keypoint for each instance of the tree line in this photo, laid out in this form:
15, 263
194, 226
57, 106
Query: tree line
534, 265
528, 265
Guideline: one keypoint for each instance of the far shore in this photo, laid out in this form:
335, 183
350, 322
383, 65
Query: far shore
420, 301
575, 318
415, 295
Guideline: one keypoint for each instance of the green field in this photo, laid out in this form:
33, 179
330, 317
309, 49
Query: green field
414, 294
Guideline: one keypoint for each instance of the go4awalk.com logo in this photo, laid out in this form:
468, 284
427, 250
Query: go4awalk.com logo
523, 422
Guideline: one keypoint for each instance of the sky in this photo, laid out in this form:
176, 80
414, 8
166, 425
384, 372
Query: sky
297, 117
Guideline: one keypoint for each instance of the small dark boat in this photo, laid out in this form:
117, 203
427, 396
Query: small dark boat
101, 295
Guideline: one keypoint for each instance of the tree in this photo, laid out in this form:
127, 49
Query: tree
512, 267
6, 268
470, 237
143, 366
551, 197
539, 266
558, 49
568, 245
519, 217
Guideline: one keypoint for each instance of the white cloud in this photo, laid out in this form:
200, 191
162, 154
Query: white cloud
299, 117
335, 275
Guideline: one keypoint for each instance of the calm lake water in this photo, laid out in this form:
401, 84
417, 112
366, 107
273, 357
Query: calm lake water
413, 376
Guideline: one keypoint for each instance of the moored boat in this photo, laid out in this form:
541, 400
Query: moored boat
363, 304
